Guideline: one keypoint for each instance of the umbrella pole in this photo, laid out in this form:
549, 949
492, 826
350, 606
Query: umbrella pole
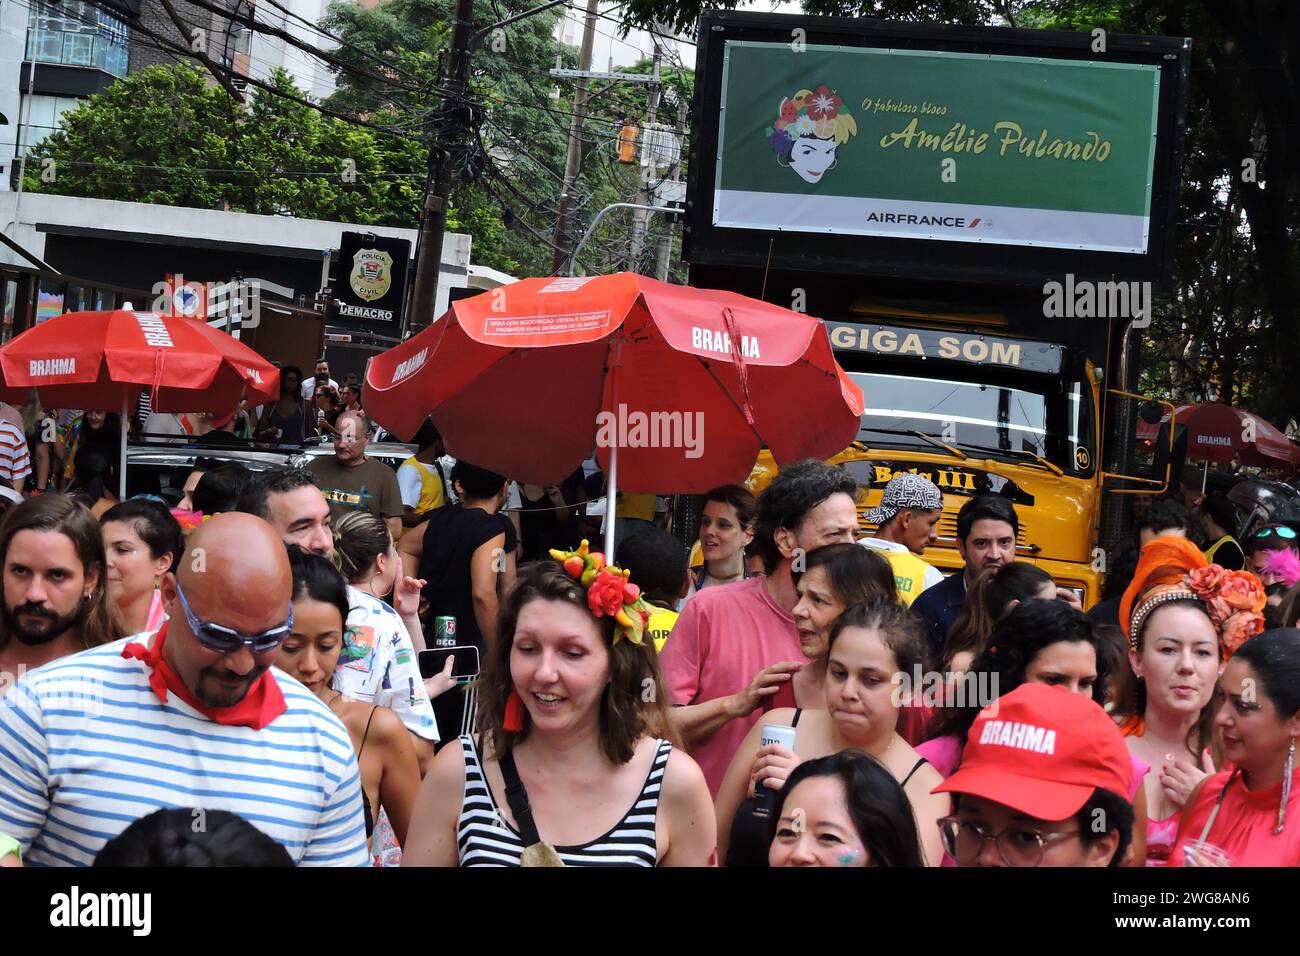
611, 492
1205, 476
611, 498
121, 461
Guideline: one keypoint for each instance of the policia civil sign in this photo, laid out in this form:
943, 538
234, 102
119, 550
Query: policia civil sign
370, 282
1044, 152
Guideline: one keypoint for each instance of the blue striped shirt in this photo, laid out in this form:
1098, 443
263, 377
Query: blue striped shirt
86, 748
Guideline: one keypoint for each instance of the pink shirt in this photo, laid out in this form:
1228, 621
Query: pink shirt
1244, 826
725, 636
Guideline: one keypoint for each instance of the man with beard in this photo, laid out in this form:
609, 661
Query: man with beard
986, 538
192, 712
55, 602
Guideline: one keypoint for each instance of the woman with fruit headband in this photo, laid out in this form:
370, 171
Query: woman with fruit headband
809, 128
1183, 619
573, 764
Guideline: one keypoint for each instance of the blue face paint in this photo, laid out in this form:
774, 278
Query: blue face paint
849, 857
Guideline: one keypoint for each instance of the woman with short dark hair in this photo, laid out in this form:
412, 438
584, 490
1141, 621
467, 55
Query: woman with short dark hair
142, 542
845, 809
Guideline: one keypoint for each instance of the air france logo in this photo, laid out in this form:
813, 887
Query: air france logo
60, 366
1009, 733
405, 369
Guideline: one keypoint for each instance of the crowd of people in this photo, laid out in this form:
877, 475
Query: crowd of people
347, 665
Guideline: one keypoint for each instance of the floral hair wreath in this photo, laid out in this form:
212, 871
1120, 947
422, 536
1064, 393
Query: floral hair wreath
817, 113
609, 592
1233, 600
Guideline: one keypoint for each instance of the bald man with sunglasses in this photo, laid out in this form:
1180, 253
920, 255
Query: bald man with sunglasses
190, 716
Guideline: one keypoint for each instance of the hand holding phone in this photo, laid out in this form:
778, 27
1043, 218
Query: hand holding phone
466, 665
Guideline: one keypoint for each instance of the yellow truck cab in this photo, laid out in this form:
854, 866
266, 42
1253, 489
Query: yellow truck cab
976, 412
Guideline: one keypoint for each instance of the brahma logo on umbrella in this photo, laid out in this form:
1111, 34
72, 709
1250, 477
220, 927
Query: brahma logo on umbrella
409, 367
372, 274
59, 366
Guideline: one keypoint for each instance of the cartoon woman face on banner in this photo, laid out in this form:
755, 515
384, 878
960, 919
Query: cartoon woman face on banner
810, 127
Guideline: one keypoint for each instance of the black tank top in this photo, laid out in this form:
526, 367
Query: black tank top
365, 800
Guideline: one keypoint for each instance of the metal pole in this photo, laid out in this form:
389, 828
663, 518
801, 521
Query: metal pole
663, 257
649, 169
574, 158
573, 258
433, 222
24, 125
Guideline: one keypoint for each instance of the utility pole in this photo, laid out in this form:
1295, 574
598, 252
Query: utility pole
574, 159
649, 170
665, 251
448, 124
446, 131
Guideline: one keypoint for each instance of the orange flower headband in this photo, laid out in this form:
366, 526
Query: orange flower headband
1173, 569
609, 592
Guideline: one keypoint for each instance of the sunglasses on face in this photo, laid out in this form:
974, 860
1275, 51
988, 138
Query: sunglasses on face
226, 640
1282, 531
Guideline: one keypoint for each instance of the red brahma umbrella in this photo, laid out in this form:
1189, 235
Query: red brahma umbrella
677, 388
100, 361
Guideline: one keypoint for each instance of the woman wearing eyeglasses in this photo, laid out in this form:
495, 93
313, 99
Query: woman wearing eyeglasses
390, 773
1043, 782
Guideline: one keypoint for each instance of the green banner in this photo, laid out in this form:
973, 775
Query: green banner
926, 144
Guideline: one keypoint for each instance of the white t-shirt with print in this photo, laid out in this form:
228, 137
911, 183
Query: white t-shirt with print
379, 664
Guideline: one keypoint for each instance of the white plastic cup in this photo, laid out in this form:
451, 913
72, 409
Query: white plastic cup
765, 796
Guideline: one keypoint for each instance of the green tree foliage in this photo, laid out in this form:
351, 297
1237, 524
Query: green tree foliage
165, 135
521, 123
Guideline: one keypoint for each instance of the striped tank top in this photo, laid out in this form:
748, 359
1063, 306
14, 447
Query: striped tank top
485, 839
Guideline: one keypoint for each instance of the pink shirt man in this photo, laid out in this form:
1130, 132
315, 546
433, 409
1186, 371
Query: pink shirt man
724, 637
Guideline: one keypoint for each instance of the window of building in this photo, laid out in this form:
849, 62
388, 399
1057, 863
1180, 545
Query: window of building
74, 33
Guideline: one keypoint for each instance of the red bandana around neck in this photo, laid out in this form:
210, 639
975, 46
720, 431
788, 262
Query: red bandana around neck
262, 704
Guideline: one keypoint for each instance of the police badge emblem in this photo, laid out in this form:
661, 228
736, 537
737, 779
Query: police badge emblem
372, 274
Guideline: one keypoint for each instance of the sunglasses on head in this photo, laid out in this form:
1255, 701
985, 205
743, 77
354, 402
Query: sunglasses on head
1282, 531
226, 640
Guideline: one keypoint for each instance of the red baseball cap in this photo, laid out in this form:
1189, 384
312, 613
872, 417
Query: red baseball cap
1042, 751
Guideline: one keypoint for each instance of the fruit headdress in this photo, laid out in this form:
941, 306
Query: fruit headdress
609, 592
818, 113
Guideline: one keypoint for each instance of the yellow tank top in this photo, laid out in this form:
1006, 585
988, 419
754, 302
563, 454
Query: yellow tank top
662, 622
431, 492
909, 574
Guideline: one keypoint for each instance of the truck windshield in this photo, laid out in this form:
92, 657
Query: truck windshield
979, 417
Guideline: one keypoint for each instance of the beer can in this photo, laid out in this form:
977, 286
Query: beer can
444, 631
